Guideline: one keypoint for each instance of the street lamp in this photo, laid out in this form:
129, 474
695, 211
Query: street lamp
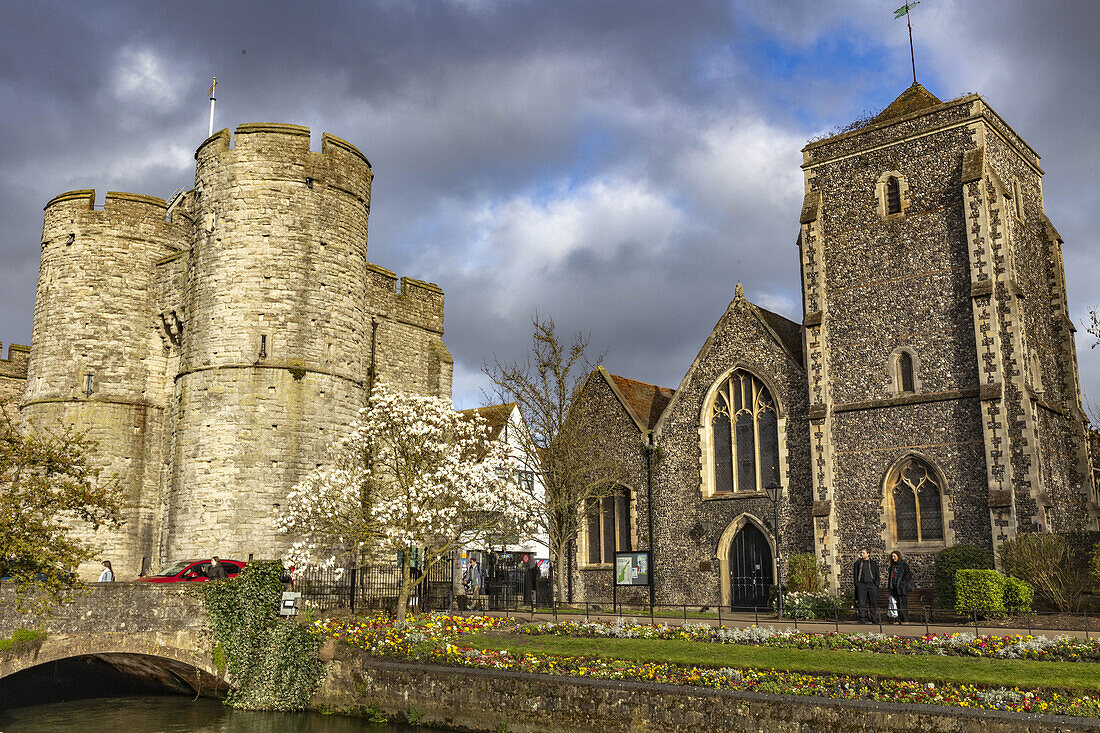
775, 492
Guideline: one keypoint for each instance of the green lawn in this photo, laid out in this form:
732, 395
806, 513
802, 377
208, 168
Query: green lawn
1000, 672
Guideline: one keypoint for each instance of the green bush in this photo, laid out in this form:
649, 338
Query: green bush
1094, 568
949, 561
805, 574
1018, 596
980, 590
820, 604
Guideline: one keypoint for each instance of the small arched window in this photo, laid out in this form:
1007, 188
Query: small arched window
917, 503
905, 372
745, 433
893, 195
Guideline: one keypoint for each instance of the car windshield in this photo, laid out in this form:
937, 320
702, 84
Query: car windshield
176, 568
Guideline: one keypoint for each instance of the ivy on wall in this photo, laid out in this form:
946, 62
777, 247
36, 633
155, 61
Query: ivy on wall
272, 663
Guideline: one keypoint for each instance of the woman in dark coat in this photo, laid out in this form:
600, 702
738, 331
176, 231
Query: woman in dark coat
900, 582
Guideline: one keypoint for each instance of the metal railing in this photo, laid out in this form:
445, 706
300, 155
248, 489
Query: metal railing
376, 587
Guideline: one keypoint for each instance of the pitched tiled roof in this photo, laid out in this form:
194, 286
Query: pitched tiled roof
647, 401
913, 99
495, 416
789, 332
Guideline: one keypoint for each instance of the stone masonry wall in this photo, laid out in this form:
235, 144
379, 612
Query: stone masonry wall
13, 378
489, 700
692, 571
615, 437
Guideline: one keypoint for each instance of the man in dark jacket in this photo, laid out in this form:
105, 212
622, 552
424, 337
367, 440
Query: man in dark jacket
866, 579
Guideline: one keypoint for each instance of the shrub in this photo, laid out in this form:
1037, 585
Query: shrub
1094, 568
1018, 596
805, 574
1045, 561
949, 561
821, 604
980, 590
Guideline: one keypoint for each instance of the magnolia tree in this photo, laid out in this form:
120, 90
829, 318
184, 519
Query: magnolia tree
410, 473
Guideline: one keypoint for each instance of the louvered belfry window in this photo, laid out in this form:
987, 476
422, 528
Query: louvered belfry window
918, 512
746, 435
893, 195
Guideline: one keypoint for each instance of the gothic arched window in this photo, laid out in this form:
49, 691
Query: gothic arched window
893, 195
744, 429
905, 372
916, 497
607, 527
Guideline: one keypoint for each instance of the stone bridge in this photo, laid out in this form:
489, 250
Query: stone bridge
149, 633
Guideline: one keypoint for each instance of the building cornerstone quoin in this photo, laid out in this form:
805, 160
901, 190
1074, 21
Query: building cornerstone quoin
215, 344
929, 397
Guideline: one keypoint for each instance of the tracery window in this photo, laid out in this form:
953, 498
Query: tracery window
745, 432
917, 502
607, 526
893, 195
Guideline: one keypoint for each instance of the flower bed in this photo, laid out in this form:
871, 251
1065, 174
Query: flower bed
432, 639
1042, 648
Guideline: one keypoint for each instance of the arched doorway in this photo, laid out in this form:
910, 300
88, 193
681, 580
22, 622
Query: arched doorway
750, 567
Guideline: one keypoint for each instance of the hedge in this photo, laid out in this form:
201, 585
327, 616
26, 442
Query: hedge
980, 590
1018, 596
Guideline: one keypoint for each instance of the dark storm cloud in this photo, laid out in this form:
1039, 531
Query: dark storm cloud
618, 165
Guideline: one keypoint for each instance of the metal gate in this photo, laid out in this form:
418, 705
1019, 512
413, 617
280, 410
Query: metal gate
750, 563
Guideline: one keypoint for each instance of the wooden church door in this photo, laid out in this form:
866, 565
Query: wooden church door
750, 564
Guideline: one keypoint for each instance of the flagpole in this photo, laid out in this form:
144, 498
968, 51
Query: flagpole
912, 55
210, 131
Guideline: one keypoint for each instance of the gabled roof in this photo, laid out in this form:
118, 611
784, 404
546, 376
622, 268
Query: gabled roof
789, 332
785, 332
646, 401
913, 99
495, 416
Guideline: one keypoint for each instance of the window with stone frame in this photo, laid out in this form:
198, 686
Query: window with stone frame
893, 195
607, 527
917, 501
906, 383
744, 428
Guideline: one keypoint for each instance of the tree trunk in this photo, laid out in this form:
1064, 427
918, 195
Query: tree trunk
403, 593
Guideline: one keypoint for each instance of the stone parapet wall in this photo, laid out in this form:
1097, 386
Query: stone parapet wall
13, 378
112, 607
487, 700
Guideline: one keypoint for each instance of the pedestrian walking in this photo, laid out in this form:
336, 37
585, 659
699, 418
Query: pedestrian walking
901, 584
107, 575
866, 579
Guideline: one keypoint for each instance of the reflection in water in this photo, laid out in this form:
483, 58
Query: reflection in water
168, 714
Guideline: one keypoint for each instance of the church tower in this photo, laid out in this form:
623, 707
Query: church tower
944, 398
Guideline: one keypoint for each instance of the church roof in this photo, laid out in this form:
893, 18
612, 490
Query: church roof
495, 416
646, 401
913, 99
789, 332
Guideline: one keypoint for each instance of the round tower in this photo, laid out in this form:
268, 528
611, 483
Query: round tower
274, 345
97, 359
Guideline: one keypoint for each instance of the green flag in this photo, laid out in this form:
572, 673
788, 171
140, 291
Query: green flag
903, 10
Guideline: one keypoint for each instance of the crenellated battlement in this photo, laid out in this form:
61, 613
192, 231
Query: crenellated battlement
276, 151
126, 215
417, 302
16, 364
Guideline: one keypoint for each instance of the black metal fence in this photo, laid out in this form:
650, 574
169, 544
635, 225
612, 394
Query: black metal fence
376, 587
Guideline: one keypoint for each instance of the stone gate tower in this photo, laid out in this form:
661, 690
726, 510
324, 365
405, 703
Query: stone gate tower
214, 345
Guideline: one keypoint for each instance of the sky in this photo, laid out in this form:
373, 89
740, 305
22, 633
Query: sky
617, 166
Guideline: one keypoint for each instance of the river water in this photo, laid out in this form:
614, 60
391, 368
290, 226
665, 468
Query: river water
172, 714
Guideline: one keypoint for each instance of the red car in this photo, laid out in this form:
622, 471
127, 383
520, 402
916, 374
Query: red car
191, 571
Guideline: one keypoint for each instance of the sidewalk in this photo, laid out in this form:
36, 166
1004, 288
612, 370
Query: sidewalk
915, 627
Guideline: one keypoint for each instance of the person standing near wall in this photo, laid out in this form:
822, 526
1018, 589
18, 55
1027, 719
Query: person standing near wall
108, 575
866, 578
900, 582
217, 570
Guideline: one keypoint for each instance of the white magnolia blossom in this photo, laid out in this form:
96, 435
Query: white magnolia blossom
409, 473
